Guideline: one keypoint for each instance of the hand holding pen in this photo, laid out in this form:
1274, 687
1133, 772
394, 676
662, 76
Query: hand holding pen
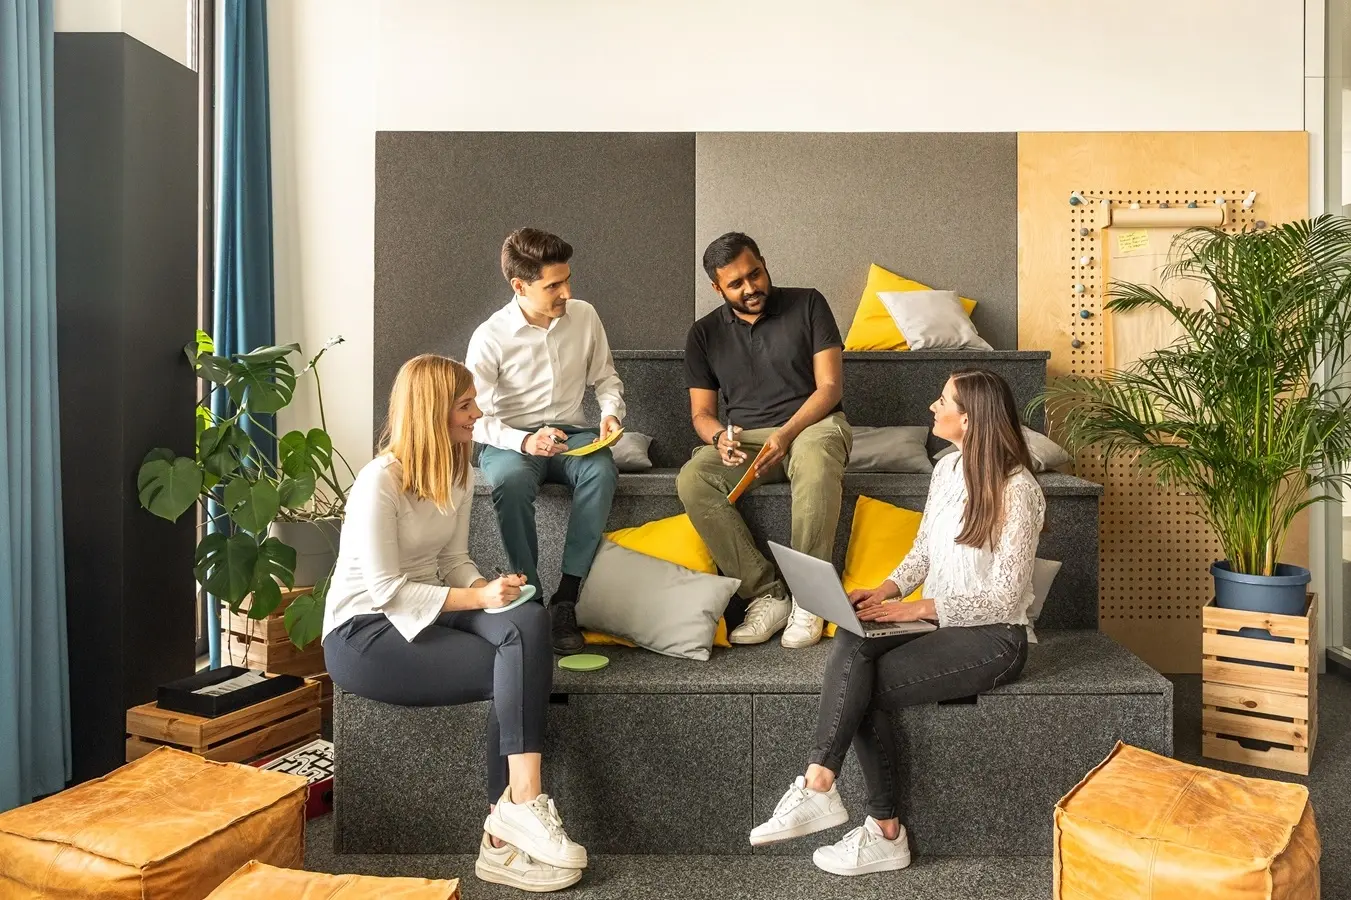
729, 448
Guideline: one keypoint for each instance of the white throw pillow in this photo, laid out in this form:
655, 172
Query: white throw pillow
932, 320
630, 452
1044, 572
1046, 453
894, 448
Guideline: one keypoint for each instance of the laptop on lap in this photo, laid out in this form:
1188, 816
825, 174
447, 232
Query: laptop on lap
816, 587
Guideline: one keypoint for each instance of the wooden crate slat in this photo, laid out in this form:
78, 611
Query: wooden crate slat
1293, 761
271, 630
271, 737
1255, 649
1282, 680
149, 721
279, 659
1241, 697
1215, 618
1216, 721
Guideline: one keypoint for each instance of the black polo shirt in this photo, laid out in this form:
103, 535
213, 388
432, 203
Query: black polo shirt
763, 372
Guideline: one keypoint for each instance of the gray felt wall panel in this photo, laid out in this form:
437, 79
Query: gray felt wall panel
939, 208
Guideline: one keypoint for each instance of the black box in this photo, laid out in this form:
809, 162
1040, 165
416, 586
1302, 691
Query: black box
178, 696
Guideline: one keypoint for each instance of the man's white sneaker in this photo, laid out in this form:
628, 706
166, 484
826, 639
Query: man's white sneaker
536, 829
765, 615
804, 629
801, 811
516, 868
863, 851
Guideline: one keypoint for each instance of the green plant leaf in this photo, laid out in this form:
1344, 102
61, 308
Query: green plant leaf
303, 453
225, 566
264, 355
252, 506
296, 492
201, 353
274, 567
304, 618
263, 381
222, 448
168, 486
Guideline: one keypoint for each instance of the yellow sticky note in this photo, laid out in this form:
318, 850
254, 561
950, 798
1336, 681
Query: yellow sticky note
1129, 241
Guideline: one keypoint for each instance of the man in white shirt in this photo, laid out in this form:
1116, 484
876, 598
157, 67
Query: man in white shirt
532, 362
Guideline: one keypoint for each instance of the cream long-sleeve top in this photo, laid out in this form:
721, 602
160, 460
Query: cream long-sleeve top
529, 376
974, 585
397, 554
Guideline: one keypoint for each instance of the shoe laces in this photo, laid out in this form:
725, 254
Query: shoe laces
796, 795
856, 839
544, 810
760, 611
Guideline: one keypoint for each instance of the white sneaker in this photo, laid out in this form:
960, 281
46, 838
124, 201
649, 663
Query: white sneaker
536, 829
804, 629
801, 811
516, 868
864, 851
765, 615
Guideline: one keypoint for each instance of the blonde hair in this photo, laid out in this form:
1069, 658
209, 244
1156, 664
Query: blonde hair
417, 431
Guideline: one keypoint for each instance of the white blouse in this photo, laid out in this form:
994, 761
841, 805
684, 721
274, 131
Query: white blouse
974, 585
398, 554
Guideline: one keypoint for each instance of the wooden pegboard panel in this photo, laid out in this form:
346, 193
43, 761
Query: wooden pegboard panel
1155, 553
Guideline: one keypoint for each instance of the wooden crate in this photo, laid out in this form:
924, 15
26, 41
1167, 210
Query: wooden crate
1273, 710
264, 644
239, 736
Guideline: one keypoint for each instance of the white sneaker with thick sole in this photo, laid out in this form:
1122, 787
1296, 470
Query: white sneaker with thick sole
765, 615
516, 868
864, 850
801, 811
804, 629
536, 829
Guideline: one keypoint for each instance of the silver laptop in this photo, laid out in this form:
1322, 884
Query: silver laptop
816, 587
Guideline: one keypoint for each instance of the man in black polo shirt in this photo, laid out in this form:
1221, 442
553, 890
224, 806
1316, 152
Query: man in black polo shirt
774, 356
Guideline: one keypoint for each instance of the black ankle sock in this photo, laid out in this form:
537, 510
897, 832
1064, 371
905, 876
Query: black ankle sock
568, 587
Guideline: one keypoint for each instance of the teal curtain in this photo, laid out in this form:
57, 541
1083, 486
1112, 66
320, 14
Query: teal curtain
34, 691
244, 317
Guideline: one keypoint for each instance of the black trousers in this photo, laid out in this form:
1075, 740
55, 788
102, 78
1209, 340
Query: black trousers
866, 678
462, 657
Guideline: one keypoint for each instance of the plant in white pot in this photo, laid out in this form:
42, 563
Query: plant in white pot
264, 509
1244, 411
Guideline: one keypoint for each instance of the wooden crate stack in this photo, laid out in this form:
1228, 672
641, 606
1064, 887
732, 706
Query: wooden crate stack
1260, 691
264, 644
246, 734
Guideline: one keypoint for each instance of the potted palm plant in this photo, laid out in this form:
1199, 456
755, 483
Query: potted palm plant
260, 508
1245, 410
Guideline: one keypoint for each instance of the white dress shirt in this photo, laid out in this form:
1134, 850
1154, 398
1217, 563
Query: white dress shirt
398, 554
974, 585
529, 377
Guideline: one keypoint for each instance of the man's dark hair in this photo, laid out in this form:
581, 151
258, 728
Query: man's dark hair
528, 250
725, 249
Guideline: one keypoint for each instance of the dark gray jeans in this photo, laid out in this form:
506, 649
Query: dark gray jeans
462, 657
867, 678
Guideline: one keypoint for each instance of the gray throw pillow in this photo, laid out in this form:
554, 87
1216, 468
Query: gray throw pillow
630, 452
658, 605
932, 320
1046, 453
895, 448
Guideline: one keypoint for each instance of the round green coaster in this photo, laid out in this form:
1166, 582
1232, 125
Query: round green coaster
583, 662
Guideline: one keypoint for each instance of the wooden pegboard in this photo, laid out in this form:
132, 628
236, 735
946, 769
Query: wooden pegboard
1155, 553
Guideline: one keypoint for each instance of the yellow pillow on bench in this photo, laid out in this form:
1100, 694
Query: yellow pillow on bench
879, 538
674, 540
873, 327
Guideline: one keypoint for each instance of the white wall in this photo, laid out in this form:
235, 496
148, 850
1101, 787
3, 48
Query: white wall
343, 68
165, 25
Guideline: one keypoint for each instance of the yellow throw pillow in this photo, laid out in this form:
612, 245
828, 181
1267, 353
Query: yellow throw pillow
873, 327
879, 538
674, 540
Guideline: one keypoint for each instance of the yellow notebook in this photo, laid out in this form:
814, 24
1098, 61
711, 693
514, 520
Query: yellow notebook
597, 444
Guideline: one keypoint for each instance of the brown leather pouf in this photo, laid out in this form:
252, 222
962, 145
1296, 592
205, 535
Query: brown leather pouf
1145, 827
169, 825
257, 881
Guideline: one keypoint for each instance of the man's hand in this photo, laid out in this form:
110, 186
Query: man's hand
776, 447
730, 451
607, 425
542, 442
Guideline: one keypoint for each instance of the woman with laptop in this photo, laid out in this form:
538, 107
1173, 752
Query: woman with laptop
409, 620
974, 555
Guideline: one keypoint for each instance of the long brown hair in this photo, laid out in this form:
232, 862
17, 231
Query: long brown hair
417, 432
992, 451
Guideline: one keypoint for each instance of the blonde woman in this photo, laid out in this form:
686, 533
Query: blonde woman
410, 621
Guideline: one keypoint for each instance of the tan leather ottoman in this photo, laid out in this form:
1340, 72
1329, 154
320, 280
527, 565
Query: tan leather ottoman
1145, 826
257, 881
169, 825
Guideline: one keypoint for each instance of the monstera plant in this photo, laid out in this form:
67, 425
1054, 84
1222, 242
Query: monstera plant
245, 490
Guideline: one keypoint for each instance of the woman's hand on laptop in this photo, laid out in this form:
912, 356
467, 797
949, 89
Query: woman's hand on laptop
899, 612
862, 598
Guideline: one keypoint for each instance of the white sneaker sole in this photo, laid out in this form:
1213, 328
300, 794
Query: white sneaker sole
507, 833
881, 865
806, 828
499, 875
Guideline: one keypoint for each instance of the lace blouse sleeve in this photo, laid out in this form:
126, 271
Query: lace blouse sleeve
914, 568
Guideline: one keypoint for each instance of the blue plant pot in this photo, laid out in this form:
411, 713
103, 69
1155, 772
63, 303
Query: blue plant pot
1281, 594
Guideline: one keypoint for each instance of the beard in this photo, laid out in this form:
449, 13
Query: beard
742, 307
